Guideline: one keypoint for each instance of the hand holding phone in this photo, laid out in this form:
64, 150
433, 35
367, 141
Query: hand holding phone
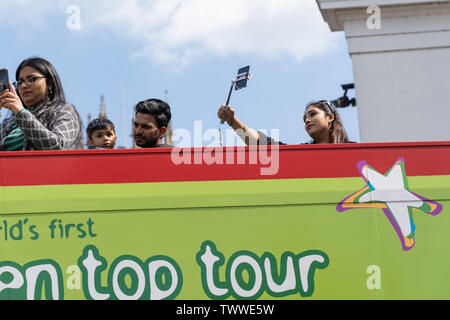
9, 99
4, 80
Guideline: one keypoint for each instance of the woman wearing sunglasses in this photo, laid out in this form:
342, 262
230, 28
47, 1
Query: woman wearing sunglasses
322, 123
42, 120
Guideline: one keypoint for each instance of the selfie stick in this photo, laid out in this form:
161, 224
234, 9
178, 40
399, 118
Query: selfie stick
228, 99
241, 80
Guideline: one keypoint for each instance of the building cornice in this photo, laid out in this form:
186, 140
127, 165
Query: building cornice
337, 12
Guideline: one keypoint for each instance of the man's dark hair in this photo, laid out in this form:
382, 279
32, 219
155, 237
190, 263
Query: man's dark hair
157, 108
99, 124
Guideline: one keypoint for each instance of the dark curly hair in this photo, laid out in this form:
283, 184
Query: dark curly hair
98, 124
158, 108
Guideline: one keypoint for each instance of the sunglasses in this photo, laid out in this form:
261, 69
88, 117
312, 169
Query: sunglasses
323, 102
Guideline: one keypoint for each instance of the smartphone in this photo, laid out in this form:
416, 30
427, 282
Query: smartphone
4, 80
242, 78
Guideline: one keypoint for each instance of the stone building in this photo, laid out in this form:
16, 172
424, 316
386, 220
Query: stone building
400, 51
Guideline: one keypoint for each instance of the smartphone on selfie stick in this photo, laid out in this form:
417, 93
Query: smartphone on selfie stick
240, 82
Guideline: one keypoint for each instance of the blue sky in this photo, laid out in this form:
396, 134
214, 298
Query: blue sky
192, 49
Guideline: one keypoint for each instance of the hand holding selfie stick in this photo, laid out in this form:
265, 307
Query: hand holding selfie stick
240, 82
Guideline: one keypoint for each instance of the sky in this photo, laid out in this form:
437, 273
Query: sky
186, 52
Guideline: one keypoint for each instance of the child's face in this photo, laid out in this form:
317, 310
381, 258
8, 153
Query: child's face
103, 138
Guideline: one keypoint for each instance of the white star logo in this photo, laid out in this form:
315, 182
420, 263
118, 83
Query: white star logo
390, 192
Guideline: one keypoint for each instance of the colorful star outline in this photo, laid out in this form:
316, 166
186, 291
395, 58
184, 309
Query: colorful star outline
390, 192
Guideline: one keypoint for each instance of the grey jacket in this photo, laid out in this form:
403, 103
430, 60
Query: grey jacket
59, 132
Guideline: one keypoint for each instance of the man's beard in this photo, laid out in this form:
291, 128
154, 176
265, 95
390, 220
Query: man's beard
149, 143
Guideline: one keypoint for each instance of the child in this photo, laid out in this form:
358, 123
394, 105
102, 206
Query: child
101, 134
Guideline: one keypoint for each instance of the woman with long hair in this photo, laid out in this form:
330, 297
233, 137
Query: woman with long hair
42, 120
322, 123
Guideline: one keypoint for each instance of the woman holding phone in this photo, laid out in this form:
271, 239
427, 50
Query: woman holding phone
42, 119
322, 123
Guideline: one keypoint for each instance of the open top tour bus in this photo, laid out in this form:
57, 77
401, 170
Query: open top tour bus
348, 221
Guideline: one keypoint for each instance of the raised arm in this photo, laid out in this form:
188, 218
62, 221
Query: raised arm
248, 135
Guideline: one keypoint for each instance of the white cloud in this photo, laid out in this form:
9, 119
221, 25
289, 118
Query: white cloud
180, 31
18, 14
